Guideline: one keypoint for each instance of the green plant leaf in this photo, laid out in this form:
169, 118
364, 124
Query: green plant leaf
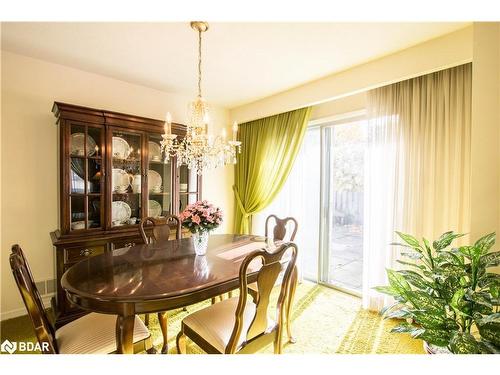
481, 301
485, 243
490, 259
490, 332
397, 281
488, 347
411, 264
399, 314
489, 279
458, 304
445, 240
492, 318
464, 343
416, 279
444, 257
412, 255
406, 327
389, 290
409, 239
423, 301
388, 308
404, 245
470, 252
433, 319
436, 337
427, 245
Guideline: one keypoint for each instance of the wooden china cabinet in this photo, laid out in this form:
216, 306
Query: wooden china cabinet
112, 175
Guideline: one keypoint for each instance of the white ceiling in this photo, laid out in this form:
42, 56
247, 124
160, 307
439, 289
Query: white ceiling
242, 62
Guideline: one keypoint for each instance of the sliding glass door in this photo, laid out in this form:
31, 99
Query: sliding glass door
341, 250
324, 192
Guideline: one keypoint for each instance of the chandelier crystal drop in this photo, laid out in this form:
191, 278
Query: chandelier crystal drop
199, 149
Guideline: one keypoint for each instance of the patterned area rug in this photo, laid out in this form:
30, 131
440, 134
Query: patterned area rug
324, 321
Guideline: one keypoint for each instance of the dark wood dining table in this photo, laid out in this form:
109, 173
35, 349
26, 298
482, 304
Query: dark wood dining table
156, 277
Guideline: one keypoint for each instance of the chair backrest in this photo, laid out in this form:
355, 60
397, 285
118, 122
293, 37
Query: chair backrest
279, 231
31, 297
272, 265
160, 228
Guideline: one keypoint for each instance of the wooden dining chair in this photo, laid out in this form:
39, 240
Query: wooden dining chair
154, 230
279, 233
240, 325
91, 334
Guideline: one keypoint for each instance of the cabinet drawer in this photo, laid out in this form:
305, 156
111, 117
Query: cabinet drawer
129, 242
76, 254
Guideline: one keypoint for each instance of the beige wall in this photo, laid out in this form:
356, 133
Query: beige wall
485, 146
440, 53
29, 153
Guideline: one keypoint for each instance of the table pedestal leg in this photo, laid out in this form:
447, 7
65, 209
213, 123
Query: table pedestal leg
125, 334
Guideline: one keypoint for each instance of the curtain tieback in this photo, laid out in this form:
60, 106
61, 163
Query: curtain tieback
240, 203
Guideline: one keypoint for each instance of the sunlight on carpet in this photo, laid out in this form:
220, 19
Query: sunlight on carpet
324, 321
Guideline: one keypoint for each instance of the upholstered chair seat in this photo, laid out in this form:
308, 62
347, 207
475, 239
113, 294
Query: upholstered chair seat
215, 323
94, 334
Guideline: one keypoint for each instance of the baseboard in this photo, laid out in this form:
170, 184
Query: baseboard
22, 311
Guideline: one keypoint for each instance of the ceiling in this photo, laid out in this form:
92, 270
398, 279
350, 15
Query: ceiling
242, 62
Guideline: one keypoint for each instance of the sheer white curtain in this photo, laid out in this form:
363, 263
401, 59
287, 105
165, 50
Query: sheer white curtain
300, 198
417, 166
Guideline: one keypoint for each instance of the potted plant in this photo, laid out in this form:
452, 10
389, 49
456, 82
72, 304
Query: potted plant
200, 218
447, 296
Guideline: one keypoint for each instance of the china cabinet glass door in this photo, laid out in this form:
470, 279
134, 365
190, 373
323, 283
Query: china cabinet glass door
159, 179
188, 187
126, 177
86, 185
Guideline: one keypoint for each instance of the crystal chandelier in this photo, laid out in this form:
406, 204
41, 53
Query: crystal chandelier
200, 150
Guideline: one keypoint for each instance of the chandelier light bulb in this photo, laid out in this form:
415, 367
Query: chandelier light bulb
235, 131
168, 123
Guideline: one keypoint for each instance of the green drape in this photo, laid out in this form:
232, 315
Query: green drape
269, 148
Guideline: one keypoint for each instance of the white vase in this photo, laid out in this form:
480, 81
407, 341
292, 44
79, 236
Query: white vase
200, 242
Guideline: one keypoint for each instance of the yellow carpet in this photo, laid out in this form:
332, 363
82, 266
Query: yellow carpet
324, 321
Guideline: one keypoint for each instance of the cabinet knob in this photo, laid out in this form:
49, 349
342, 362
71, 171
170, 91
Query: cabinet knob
85, 252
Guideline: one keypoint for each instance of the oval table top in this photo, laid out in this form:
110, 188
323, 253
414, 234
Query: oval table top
157, 277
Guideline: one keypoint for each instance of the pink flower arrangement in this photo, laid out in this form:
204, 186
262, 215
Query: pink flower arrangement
201, 216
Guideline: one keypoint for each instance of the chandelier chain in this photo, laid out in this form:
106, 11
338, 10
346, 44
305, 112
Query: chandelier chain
199, 63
